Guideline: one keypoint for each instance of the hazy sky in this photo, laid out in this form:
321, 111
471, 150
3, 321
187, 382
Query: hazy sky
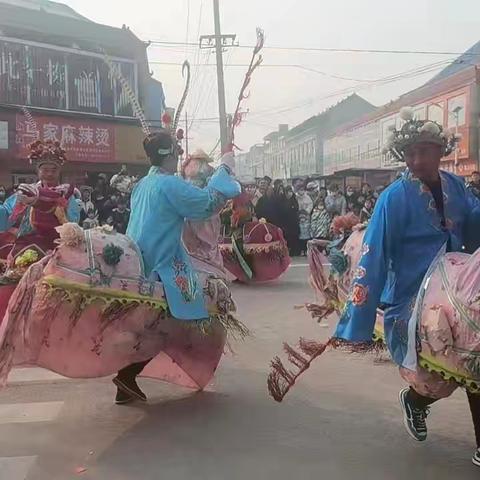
290, 94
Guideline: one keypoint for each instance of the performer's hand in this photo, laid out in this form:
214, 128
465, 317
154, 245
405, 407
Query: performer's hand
25, 199
228, 159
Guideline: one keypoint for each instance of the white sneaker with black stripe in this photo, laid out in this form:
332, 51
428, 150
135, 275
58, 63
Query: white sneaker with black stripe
476, 458
413, 418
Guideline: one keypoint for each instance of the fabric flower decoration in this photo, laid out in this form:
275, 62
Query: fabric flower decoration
112, 254
71, 234
430, 127
406, 114
359, 295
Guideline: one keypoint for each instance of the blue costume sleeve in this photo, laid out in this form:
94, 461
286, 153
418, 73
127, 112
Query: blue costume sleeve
196, 203
73, 210
5, 211
357, 322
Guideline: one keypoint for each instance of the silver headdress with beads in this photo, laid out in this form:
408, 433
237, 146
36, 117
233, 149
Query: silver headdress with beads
416, 131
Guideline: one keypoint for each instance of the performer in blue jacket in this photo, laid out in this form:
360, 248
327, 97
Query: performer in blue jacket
423, 212
160, 203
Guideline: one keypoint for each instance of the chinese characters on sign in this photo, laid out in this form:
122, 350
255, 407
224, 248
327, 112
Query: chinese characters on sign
85, 141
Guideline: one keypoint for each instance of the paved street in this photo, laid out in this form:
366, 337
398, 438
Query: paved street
341, 422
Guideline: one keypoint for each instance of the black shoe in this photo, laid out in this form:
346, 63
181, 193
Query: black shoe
130, 387
476, 458
413, 418
123, 398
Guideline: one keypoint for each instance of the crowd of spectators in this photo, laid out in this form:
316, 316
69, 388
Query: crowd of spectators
305, 211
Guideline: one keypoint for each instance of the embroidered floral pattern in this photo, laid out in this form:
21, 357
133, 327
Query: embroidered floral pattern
179, 266
365, 249
180, 272
359, 295
360, 272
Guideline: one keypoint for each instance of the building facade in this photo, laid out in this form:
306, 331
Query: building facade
274, 153
304, 143
452, 101
53, 62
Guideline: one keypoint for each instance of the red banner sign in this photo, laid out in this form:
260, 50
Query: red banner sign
84, 140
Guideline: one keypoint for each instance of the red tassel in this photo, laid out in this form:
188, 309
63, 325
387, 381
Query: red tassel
281, 380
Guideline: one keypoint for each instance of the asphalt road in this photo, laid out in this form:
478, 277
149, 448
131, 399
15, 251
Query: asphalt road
341, 422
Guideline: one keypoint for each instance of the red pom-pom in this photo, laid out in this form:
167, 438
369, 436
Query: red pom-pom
166, 119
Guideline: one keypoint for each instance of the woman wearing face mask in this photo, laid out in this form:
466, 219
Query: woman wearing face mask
350, 195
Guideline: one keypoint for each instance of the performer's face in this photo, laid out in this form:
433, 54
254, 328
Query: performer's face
423, 160
49, 174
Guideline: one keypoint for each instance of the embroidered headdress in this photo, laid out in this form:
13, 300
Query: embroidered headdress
46, 152
416, 131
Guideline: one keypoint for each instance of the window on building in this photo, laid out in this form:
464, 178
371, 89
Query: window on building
42, 77
456, 109
435, 112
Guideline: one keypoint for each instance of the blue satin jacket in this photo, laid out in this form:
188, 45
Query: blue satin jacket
403, 238
160, 204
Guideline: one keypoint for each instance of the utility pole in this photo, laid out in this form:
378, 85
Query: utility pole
219, 42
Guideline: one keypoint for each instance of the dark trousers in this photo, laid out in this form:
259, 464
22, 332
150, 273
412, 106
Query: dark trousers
421, 402
302, 246
131, 372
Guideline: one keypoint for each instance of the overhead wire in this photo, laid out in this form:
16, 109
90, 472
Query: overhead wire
336, 50
308, 68
382, 81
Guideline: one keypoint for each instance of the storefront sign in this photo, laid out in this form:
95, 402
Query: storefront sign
84, 140
464, 168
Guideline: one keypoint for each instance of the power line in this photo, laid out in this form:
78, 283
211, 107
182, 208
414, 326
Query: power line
349, 90
334, 50
308, 68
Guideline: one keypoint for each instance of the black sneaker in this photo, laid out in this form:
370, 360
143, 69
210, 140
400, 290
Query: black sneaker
130, 387
413, 418
123, 398
476, 458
